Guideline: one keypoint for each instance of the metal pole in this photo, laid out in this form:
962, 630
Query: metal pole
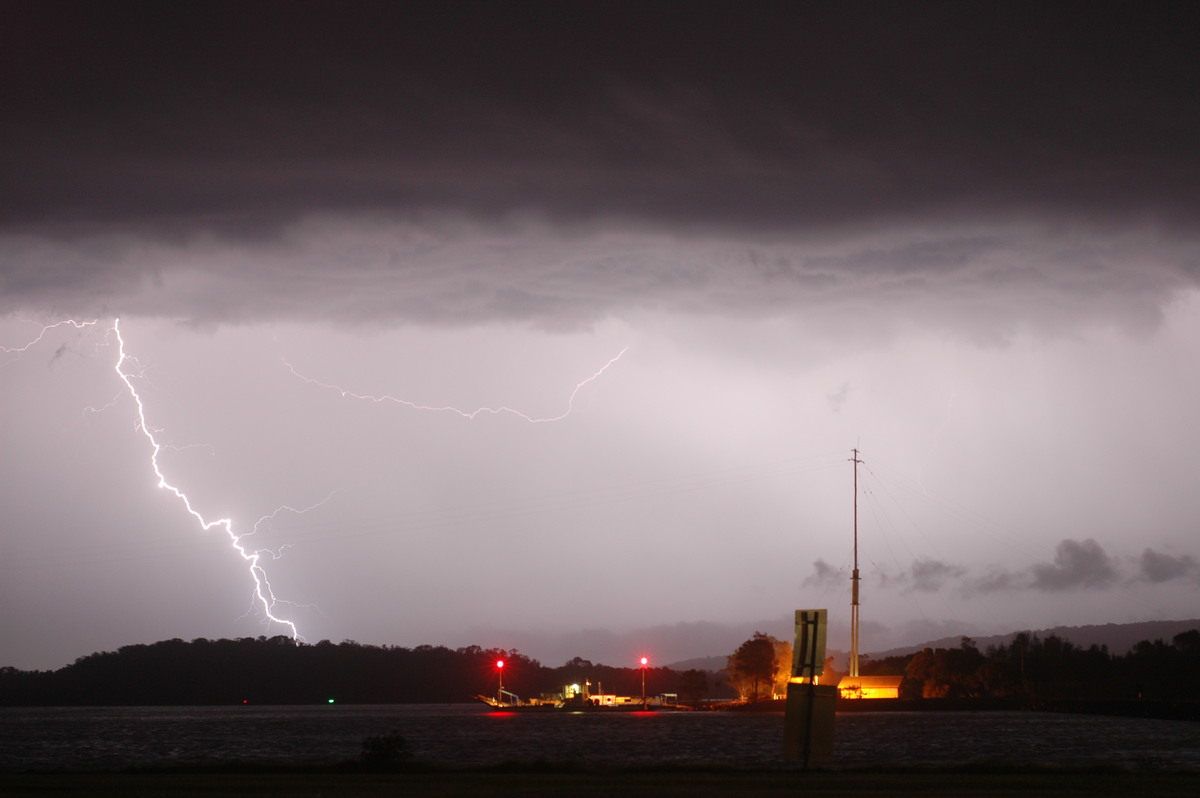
854, 577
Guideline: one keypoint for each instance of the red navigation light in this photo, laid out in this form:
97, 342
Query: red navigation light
645, 662
499, 663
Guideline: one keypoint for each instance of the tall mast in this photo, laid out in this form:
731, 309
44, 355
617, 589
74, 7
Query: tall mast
854, 577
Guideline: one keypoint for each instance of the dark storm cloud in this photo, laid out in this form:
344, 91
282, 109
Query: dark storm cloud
448, 272
767, 116
929, 576
1077, 563
1157, 567
995, 581
924, 576
998, 166
824, 575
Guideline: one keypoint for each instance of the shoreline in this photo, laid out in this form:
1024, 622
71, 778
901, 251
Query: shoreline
1158, 710
538, 778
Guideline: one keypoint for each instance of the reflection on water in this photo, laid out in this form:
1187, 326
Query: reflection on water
115, 737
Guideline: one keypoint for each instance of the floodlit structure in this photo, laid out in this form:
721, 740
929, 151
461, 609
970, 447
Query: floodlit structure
870, 686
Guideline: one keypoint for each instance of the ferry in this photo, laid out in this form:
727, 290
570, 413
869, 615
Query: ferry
576, 698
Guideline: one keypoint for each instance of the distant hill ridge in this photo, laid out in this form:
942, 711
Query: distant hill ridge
1118, 637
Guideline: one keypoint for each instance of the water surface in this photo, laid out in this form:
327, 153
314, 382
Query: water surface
119, 737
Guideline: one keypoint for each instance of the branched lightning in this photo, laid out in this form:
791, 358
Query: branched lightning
264, 596
18, 350
467, 414
129, 371
269, 517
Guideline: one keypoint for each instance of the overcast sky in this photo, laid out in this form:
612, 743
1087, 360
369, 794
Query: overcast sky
552, 326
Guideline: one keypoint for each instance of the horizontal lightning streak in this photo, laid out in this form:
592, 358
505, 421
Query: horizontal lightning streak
467, 414
275, 555
18, 350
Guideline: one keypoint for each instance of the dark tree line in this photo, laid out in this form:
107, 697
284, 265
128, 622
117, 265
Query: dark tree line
1033, 669
278, 670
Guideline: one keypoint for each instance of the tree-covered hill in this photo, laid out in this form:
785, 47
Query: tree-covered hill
1029, 670
278, 670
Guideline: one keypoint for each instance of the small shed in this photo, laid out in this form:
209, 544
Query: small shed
870, 686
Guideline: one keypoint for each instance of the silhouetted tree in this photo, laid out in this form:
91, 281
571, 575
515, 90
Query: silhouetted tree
783, 666
947, 672
753, 667
1188, 642
693, 685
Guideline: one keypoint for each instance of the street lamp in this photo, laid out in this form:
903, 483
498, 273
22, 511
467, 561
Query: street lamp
644, 663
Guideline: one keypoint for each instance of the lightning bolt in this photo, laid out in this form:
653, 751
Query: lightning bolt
264, 596
19, 350
269, 517
128, 369
467, 414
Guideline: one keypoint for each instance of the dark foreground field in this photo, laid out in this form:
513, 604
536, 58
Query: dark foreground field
672, 783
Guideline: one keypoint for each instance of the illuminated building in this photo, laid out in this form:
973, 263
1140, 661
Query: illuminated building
870, 686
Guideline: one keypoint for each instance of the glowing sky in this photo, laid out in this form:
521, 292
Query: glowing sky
962, 240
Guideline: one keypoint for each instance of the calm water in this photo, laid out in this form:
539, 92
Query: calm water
116, 737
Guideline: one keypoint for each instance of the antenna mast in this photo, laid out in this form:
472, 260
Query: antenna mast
854, 577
